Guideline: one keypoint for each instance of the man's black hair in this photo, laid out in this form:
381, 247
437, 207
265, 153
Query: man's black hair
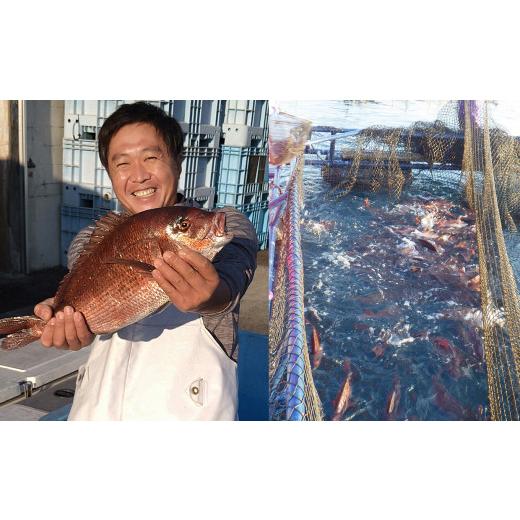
141, 112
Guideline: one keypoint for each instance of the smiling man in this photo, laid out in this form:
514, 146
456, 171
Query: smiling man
179, 363
143, 173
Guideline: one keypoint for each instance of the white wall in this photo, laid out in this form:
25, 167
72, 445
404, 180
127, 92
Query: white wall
44, 140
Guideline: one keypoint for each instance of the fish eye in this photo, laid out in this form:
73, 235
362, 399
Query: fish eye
182, 224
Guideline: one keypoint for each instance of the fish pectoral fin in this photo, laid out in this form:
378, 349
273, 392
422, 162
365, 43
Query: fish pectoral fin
142, 267
150, 247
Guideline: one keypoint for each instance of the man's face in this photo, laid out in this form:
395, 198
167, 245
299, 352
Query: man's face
144, 175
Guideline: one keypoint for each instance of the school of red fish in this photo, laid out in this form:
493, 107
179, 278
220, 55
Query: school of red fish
438, 241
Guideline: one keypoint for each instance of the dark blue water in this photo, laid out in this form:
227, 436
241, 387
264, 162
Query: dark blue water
406, 322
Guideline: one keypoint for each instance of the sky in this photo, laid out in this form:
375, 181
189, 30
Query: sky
506, 114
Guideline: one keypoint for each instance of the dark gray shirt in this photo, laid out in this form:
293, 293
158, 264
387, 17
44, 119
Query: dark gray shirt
235, 264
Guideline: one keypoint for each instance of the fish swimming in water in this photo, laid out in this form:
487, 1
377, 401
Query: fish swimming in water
311, 316
316, 348
427, 223
455, 356
431, 245
474, 283
389, 310
379, 349
374, 297
393, 400
342, 401
447, 402
111, 282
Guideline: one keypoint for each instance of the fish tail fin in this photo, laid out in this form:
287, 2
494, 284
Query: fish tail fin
21, 331
19, 339
18, 323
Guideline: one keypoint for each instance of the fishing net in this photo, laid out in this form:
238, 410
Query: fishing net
292, 392
491, 169
465, 148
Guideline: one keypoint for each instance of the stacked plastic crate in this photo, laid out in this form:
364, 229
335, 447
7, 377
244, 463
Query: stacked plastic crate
201, 120
87, 190
243, 174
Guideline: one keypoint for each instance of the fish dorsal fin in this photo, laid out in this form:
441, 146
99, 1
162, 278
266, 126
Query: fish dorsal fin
103, 227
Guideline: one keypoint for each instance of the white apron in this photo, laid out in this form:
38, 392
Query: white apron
167, 366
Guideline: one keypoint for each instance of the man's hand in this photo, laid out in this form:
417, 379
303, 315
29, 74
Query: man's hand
191, 281
67, 330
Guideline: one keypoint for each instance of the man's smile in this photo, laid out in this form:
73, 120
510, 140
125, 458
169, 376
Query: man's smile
144, 193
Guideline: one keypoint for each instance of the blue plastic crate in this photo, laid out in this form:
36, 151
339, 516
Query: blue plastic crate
258, 217
197, 112
243, 194
242, 176
81, 164
205, 136
199, 169
84, 177
89, 107
258, 214
247, 112
93, 198
84, 118
260, 220
245, 136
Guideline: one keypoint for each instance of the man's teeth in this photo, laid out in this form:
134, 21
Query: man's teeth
144, 193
